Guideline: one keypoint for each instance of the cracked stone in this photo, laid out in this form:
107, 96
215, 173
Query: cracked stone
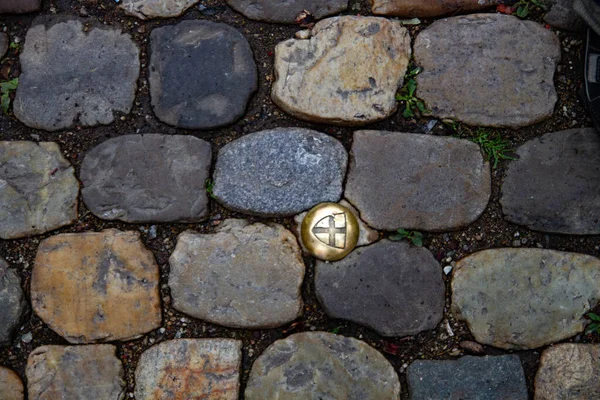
286, 12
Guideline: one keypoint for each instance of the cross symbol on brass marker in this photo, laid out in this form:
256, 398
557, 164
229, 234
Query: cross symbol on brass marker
331, 234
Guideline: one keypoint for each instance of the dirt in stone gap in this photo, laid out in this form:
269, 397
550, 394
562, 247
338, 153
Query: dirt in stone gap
490, 231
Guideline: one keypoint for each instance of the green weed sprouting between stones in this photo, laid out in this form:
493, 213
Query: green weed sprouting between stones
6, 88
209, 184
14, 46
414, 237
407, 95
522, 7
594, 327
336, 330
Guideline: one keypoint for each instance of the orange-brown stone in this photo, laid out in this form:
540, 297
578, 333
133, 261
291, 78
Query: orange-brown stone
11, 387
428, 8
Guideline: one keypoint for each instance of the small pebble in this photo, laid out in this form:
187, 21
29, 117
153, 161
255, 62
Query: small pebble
27, 338
447, 269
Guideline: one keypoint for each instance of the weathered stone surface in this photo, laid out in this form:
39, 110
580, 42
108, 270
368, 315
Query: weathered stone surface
190, 369
96, 286
4, 43
11, 387
38, 189
280, 172
320, 365
13, 303
347, 73
19, 6
242, 276
569, 371
476, 72
554, 185
562, 16
391, 287
406, 180
428, 8
75, 372
148, 178
473, 378
144, 9
286, 12
219, 60
81, 81
525, 298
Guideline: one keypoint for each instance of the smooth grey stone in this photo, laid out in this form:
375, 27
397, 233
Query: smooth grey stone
554, 186
19, 6
144, 9
280, 172
286, 11
468, 378
202, 74
392, 287
72, 77
562, 16
148, 178
13, 303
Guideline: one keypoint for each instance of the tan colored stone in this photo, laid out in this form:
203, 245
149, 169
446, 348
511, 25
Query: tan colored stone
428, 8
144, 9
96, 286
206, 369
11, 387
347, 73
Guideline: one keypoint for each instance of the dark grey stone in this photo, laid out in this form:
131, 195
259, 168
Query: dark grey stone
147, 178
4, 42
554, 186
202, 74
468, 378
19, 6
286, 11
70, 76
13, 304
280, 172
562, 16
392, 287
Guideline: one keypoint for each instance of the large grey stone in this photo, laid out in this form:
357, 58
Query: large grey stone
428, 8
201, 75
347, 73
479, 69
147, 178
525, 298
406, 180
286, 11
38, 189
280, 172
242, 276
554, 185
13, 303
75, 372
391, 287
73, 75
190, 369
144, 9
320, 365
562, 16
19, 6
11, 387
468, 378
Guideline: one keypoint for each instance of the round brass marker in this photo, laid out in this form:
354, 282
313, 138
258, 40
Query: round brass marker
329, 231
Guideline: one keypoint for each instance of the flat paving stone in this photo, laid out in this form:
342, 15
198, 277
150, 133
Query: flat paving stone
321, 365
280, 172
38, 189
562, 16
11, 387
242, 276
190, 369
428, 8
554, 185
406, 180
19, 6
202, 74
391, 287
478, 71
525, 298
144, 9
81, 81
468, 378
148, 178
346, 73
569, 371
96, 286
286, 11
75, 372
13, 303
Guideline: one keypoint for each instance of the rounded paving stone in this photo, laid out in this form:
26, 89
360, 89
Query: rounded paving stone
280, 172
405, 180
73, 77
144, 9
11, 387
428, 8
147, 178
286, 11
242, 276
38, 189
347, 73
201, 75
391, 287
525, 298
75, 372
562, 16
477, 70
13, 303
190, 369
321, 365
19, 6
96, 286
554, 185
